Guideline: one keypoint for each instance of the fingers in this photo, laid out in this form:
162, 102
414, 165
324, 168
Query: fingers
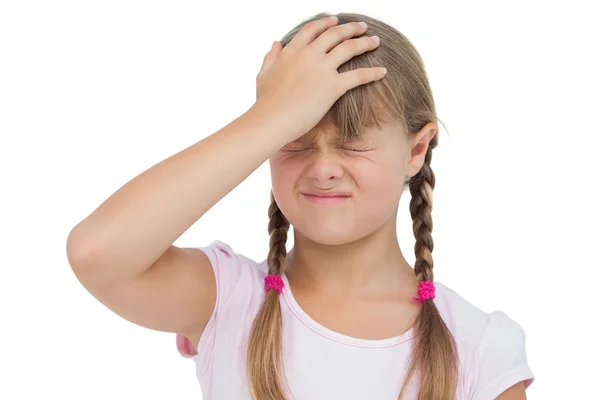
337, 44
361, 76
352, 47
338, 34
309, 32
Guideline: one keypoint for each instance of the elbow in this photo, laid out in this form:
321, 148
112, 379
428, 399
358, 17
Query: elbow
78, 251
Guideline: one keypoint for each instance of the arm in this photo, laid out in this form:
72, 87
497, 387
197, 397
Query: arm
515, 392
123, 254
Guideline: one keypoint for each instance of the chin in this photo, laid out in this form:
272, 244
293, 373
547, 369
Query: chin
329, 234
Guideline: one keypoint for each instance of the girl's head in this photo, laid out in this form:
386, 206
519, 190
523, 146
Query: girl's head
375, 140
366, 148
367, 172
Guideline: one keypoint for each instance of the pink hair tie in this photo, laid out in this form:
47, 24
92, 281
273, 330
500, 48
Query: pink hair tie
425, 291
273, 282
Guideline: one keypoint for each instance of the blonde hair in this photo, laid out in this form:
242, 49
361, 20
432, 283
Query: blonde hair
403, 95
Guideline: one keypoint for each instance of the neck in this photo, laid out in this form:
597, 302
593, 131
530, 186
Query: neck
373, 264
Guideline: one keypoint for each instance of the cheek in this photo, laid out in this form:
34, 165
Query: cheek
284, 176
380, 181
379, 189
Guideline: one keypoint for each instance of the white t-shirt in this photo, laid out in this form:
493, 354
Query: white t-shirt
321, 364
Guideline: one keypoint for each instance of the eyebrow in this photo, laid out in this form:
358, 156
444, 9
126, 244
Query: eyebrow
310, 137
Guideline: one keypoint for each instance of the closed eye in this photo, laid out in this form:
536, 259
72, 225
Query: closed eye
293, 150
356, 150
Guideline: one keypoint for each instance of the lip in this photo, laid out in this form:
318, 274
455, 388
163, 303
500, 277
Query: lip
326, 197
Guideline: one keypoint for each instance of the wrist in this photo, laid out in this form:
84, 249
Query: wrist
280, 128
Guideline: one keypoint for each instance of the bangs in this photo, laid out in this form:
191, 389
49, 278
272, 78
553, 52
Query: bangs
366, 106
371, 105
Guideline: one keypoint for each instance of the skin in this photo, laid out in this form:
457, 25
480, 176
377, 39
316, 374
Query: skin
515, 392
346, 268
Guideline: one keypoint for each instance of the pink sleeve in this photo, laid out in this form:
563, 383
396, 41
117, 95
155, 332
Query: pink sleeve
226, 267
500, 360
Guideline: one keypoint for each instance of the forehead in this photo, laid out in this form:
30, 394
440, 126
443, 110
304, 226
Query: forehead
327, 130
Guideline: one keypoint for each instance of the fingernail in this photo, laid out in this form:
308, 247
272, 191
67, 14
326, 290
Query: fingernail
363, 24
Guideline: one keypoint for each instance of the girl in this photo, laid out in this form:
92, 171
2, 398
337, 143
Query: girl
343, 315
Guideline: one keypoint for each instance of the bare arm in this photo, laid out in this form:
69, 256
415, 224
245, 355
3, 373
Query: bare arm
123, 254
515, 392
131, 229
131, 233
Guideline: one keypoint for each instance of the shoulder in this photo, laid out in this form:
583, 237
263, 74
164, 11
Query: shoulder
471, 324
234, 272
239, 286
222, 255
239, 292
466, 321
220, 251
491, 345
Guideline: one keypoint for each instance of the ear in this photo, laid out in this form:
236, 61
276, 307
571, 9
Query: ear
418, 148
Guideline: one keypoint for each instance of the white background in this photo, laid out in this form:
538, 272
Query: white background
94, 93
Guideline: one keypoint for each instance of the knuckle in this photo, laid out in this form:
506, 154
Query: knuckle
349, 28
352, 45
313, 25
365, 75
365, 42
340, 31
356, 45
305, 28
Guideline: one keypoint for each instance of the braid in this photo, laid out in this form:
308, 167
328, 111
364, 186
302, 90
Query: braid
421, 190
264, 361
278, 229
434, 353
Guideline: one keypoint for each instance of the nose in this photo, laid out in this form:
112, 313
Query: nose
324, 168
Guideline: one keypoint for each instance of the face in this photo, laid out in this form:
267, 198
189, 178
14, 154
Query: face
336, 192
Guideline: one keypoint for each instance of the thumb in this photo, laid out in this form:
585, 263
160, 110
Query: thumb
271, 56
